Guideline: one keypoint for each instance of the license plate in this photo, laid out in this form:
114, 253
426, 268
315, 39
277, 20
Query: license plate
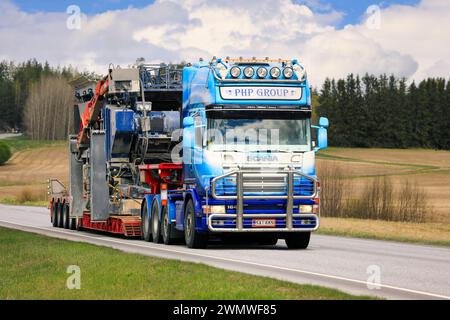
263, 223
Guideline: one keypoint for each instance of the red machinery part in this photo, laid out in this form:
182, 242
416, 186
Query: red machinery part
130, 226
92, 111
155, 174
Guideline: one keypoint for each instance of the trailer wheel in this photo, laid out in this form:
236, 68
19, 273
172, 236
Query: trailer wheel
73, 224
193, 238
66, 219
146, 231
298, 240
55, 214
156, 224
60, 215
166, 227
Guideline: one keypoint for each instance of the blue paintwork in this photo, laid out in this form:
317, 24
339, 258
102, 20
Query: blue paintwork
200, 89
120, 127
323, 122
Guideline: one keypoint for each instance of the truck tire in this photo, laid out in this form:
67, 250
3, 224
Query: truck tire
146, 230
193, 238
73, 224
60, 215
156, 224
298, 240
55, 214
66, 219
166, 227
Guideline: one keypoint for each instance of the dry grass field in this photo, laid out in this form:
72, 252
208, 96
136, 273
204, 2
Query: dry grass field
429, 169
24, 180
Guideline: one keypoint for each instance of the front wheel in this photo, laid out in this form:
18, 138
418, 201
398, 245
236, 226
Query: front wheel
298, 240
193, 238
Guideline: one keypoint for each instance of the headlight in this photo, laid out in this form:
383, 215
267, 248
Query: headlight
148, 107
299, 72
305, 208
275, 72
214, 209
235, 72
262, 72
249, 72
288, 72
140, 107
222, 70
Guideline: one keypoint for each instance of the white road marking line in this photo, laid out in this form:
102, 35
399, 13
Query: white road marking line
149, 246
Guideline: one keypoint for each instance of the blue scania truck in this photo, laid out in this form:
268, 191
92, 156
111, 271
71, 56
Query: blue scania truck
219, 150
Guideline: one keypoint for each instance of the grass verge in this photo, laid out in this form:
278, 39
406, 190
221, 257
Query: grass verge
17, 202
34, 267
421, 233
23, 143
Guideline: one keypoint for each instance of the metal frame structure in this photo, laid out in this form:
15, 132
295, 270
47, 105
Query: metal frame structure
254, 80
240, 197
161, 77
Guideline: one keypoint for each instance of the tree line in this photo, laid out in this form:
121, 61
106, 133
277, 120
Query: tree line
368, 111
36, 99
15, 84
386, 111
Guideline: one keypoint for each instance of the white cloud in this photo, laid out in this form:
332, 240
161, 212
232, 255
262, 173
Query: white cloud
411, 41
422, 31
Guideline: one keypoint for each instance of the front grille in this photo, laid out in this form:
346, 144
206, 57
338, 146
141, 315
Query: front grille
254, 183
263, 183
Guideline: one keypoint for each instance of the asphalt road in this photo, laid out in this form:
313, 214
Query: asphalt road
9, 135
406, 271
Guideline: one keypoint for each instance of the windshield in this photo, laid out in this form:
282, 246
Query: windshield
270, 131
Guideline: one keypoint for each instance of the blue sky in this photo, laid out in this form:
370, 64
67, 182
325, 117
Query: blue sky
408, 38
353, 9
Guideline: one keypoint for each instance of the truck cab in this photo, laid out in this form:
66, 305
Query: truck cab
248, 154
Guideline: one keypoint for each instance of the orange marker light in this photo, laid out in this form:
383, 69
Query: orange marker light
164, 194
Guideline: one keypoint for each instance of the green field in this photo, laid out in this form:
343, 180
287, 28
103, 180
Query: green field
23, 143
34, 267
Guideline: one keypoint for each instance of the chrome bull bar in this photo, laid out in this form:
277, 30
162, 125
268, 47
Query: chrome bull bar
240, 197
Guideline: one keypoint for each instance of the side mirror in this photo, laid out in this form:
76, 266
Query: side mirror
322, 134
322, 138
323, 122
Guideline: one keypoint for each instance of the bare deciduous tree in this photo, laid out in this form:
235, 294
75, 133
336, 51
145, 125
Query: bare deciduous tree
48, 110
